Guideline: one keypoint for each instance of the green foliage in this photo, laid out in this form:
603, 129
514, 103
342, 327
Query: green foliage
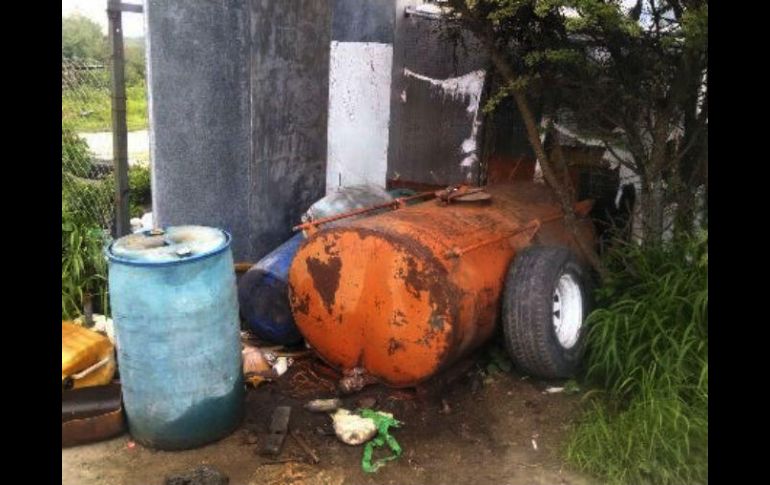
648, 353
505, 9
695, 24
496, 98
82, 38
140, 192
632, 77
82, 192
83, 266
596, 15
74, 151
90, 108
84, 269
135, 66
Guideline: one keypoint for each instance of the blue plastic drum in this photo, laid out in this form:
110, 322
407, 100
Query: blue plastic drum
175, 308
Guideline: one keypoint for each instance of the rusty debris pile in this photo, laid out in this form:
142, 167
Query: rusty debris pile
375, 290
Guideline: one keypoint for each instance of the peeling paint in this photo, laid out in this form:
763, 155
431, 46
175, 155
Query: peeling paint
326, 278
458, 88
467, 87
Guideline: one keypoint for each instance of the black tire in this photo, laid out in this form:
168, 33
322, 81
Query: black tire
528, 311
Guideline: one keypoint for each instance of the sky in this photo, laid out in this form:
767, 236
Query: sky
96, 10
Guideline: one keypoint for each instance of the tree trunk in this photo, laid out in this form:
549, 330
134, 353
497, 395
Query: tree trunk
562, 191
533, 135
652, 211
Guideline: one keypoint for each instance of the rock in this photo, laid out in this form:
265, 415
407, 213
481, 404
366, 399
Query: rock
202, 475
323, 405
354, 380
352, 429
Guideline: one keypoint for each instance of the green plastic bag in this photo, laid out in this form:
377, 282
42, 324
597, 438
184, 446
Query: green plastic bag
383, 423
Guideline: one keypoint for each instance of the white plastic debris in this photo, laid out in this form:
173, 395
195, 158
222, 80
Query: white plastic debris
346, 199
140, 224
147, 220
553, 390
429, 8
281, 365
323, 405
102, 324
136, 224
352, 429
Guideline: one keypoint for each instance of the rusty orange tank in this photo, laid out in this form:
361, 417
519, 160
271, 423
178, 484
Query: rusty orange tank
404, 294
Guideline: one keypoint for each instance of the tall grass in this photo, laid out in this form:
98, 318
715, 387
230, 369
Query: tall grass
86, 208
83, 267
647, 422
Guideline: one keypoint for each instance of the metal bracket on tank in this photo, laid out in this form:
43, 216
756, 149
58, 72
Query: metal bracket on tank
462, 193
528, 230
531, 228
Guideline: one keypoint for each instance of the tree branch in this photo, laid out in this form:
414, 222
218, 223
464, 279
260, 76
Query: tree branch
486, 35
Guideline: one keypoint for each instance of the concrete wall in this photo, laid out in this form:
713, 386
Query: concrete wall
289, 92
436, 124
257, 107
238, 105
403, 102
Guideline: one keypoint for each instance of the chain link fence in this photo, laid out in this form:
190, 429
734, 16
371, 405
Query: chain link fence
88, 189
88, 183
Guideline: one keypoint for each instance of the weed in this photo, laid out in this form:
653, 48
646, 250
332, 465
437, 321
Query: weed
648, 353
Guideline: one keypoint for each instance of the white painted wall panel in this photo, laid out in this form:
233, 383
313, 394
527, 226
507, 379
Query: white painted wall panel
359, 114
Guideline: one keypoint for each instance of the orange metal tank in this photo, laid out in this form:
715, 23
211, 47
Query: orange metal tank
404, 294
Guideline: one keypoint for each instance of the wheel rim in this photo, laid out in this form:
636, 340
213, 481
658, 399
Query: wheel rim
567, 310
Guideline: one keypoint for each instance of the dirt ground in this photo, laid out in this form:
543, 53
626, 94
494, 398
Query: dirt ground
465, 428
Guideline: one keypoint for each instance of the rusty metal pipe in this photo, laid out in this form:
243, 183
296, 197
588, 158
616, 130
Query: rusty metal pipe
394, 204
380, 293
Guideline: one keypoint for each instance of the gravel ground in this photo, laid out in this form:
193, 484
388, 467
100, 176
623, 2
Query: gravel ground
506, 431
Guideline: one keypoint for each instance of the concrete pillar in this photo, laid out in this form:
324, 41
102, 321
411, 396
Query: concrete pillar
238, 95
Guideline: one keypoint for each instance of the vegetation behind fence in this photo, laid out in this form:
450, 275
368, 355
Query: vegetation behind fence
88, 185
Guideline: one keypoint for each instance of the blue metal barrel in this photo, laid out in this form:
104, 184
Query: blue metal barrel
263, 296
175, 308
